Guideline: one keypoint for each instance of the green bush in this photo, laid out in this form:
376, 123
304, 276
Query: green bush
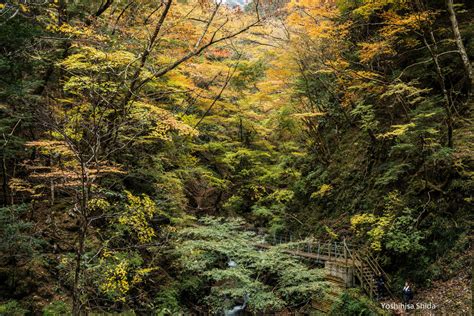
56, 308
167, 301
223, 256
352, 302
12, 308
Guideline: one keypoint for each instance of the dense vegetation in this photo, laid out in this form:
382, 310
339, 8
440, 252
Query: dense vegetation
143, 143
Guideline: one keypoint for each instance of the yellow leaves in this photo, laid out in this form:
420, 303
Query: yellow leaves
20, 185
115, 282
176, 79
98, 204
370, 51
331, 232
359, 219
64, 28
138, 212
397, 25
369, 7
106, 253
366, 75
408, 91
321, 29
51, 146
308, 114
324, 190
162, 122
282, 195
318, 8
90, 58
374, 227
24, 8
140, 273
365, 82
397, 130
119, 274
69, 29
312, 19
338, 64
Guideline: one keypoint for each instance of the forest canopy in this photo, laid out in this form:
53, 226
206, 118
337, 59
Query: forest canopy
149, 147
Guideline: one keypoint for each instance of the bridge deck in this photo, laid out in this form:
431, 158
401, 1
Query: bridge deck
314, 256
363, 265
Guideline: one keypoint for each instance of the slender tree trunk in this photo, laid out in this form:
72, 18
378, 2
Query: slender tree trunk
52, 191
448, 103
462, 50
62, 12
78, 269
81, 240
103, 7
4, 179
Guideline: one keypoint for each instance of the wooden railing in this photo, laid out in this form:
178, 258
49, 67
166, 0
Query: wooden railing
320, 250
367, 270
366, 267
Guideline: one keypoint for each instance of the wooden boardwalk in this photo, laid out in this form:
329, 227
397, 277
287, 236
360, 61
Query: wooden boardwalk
311, 255
354, 267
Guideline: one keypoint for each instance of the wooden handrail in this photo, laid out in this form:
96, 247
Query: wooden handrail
365, 281
386, 276
375, 267
332, 251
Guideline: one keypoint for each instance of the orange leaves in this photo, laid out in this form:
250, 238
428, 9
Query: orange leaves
335, 65
371, 51
312, 18
218, 53
20, 185
394, 29
396, 25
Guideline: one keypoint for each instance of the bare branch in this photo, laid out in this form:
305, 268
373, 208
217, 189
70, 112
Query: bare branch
230, 74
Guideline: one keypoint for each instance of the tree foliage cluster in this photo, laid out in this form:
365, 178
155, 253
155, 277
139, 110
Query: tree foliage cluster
387, 107
121, 122
125, 122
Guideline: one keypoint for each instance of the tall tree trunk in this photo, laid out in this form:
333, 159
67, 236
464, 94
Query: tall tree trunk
76, 300
4, 178
83, 225
448, 102
462, 50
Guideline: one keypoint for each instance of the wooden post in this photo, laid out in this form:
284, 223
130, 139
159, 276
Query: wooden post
344, 250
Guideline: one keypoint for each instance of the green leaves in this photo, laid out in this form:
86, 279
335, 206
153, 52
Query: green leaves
366, 114
394, 229
270, 278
